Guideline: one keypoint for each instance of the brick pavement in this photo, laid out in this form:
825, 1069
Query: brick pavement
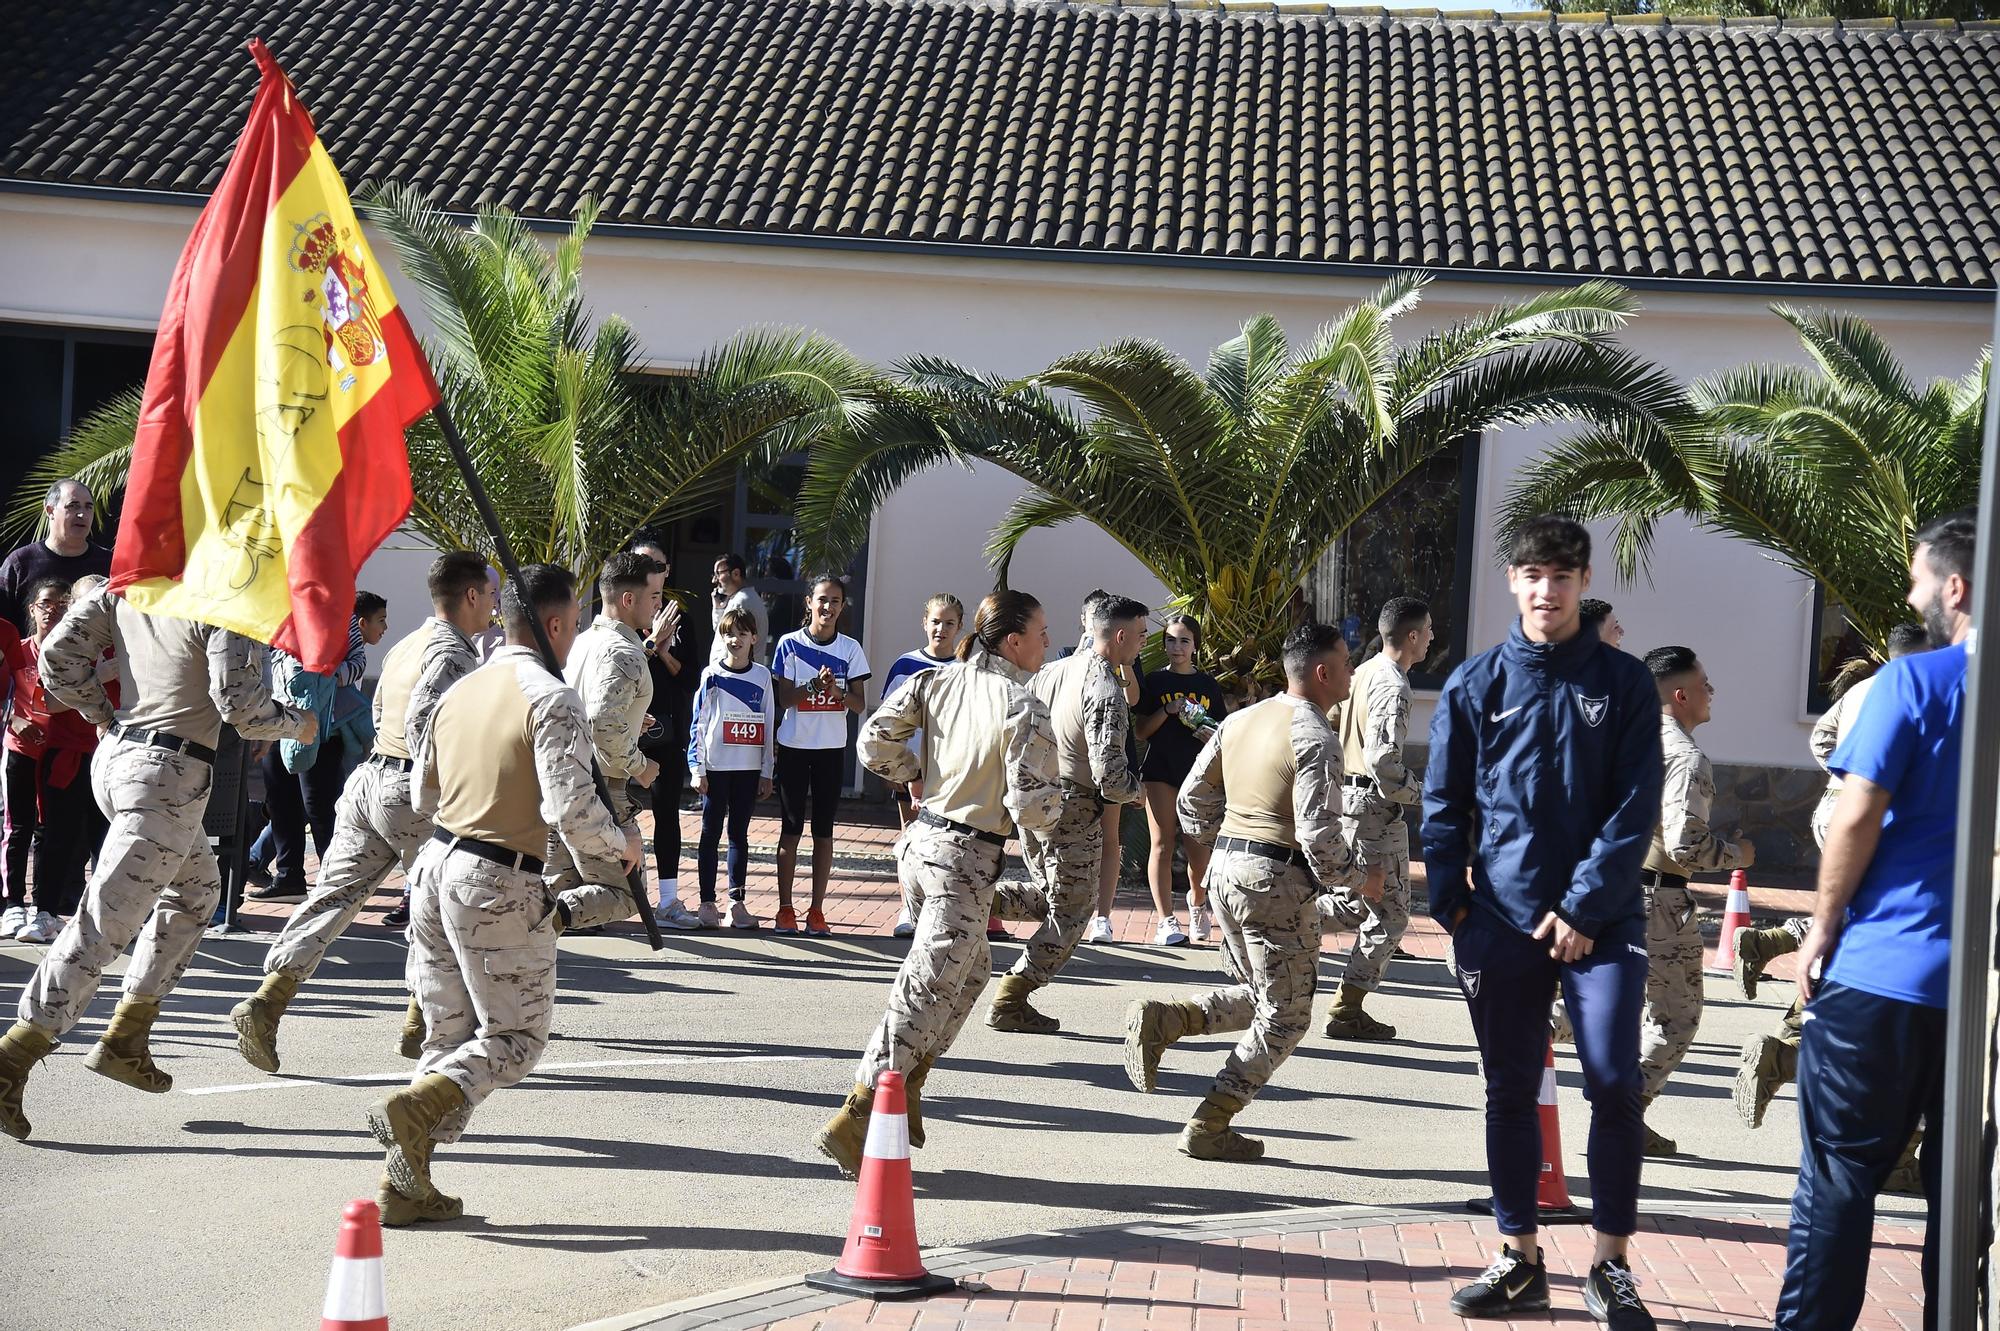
1342, 1269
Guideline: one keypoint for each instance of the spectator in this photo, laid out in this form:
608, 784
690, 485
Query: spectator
302, 782
664, 741
734, 592
730, 759
1600, 616
1872, 1052
66, 553
818, 672
1179, 707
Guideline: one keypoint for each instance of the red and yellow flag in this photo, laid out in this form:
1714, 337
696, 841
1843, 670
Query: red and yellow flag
270, 460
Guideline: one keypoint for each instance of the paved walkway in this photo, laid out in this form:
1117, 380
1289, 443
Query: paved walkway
1342, 1269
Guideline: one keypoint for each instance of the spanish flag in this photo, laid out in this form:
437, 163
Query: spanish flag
269, 461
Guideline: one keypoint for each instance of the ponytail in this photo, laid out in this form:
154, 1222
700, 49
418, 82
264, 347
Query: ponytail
1000, 614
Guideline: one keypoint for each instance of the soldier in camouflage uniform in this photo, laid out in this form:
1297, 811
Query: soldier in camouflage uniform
375, 827
151, 776
506, 762
987, 766
607, 668
1264, 793
1682, 845
1085, 697
1373, 724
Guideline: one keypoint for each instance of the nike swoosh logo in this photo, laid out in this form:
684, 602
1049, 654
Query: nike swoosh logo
1502, 716
1515, 1291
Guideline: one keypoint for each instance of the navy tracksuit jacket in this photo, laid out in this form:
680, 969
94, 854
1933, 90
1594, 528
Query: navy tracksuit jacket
1544, 780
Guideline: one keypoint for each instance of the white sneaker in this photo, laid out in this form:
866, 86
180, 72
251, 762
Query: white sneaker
1170, 933
1199, 923
42, 929
1098, 930
13, 920
673, 915
905, 926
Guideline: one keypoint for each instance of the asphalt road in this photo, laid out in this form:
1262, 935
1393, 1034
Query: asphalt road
663, 1150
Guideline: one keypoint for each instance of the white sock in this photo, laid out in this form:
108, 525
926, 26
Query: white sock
670, 892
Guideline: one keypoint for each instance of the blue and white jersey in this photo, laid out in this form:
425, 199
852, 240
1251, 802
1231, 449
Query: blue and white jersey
735, 719
908, 666
818, 720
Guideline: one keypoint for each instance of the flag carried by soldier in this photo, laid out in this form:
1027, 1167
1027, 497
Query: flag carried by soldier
269, 461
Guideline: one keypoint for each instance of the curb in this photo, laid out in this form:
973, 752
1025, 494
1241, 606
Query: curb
762, 1302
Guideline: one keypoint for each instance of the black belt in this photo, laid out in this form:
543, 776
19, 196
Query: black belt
391, 761
160, 739
1365, 782
1264, 849
487, 850
937, 820
1654, 878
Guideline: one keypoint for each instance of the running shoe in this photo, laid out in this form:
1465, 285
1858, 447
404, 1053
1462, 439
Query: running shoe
905, 926
13, 920
709, 915
1170, 933
1511, 1285
400, 916
1098, 930
1611, 1295
279, 889
673, 915
1200, 922
43, 928
787, 921
740, 916
816, 924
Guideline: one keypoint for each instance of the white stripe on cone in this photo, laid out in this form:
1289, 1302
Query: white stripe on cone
1548, 1087
888, 1136
354, 1291
1739, 902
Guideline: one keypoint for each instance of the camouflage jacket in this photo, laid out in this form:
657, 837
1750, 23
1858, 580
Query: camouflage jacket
607, 668
1374, 725
1310, 775
187, 678
1092, 723
988, 756
1683, 843
448, 657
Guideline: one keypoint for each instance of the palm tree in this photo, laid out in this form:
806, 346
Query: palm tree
1228, 486
576, 448
1829, 469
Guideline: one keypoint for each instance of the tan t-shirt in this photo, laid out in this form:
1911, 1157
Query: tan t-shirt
392, 693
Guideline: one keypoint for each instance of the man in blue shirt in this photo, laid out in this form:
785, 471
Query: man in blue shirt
1872, 1053
1539, 805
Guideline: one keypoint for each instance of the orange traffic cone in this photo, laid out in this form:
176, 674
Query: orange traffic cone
1735, 915
881, 1260
1552, 1202
354, 1297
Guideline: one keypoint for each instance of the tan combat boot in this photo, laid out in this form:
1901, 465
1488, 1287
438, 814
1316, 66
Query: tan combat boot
1012, 1012
1346, 1020
1656, 1147
1768, 1063
1907, 1178
413, 1030
1151, 1026
913, 1086
846, 1133
1754, 950
398, 1210
403, 1124
123, 1054
256, 1020
20, 1049
1208, 1135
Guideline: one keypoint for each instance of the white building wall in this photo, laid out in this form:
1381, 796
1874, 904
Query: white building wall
106, 264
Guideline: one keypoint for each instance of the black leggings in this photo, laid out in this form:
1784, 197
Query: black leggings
808, 783
731, 799
667, 817
59, 826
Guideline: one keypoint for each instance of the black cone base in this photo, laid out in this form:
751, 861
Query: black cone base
1547, 1215
861, 1287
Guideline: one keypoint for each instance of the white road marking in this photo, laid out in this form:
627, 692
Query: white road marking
392, 1078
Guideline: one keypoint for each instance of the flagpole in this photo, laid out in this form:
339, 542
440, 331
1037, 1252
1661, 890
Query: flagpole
634, 880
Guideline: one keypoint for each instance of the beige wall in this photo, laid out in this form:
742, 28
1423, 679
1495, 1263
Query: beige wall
106, 265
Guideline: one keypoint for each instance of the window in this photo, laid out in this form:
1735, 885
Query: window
1417, 541
51, 378
1835, 642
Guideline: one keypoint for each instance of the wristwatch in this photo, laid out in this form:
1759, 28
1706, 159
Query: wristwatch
652, 646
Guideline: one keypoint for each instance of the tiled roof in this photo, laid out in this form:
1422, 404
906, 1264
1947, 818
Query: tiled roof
1863, 154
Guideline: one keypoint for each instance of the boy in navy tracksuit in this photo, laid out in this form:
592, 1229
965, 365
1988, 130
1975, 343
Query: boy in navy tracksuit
1539, 804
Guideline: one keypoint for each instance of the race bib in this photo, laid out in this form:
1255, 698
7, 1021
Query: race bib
749, 734
818, 699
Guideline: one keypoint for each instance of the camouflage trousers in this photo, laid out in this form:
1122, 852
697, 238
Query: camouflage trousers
374, 830
1270, 943
1822, 814
564, 873
1376, 830
1792, 1024
154, 868
1673, 985
948, 876
1062, 889
483, 967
